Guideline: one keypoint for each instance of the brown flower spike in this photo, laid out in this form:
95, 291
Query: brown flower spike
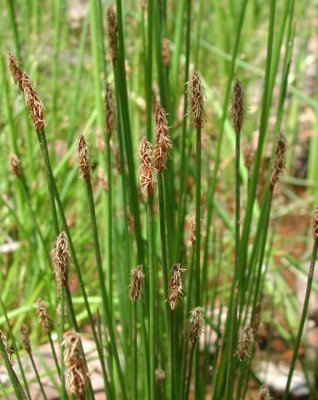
196, 101
6, 347
74, 362
136, 283
175, 286
238, 106
279, 161
109, 110
246, 339
195, 324
61, 260
315, 224
146, 169
25, 338
31, 97
15, 165
112, 32
165, 52
43, 314
84, 164
163, 141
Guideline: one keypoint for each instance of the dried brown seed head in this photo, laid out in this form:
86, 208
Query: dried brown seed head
238, 106
6, 347
146, 169
15, 70
175, 285
165, 52
74, 363
264, 394
109, 110
136, 283
248, 153
43, 313
245, 340
112, 32
25, 338
196, 326
279, 161
15, 165
163, 141
315, 224
196, 101
61, 260
160, 376
84, 164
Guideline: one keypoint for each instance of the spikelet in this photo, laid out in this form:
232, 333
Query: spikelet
15, 165
6, 347
279, 161
160, 376
315, 224
84, 164
165, 52
196, 101
109, 110
246, 339
163, 141
264, 394
61, 260
74, 363
248, 154
31, 97
146, 169
112, 32
25, 339
195, 324
175, 286
136, 283
238, 106
43, 314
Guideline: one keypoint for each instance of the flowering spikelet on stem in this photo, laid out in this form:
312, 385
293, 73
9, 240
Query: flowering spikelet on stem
146, 169
43, 314
136, 283
74, 363
15, 165
248, 154
112, 32
25, 338
61, 260
6, 347
245, 340
238, 106
264, 394
196, 101
279, 161
163, 141
314, 226
175, 285
160, 376
165, 52
84, 164
31, 97
109, 109
195, 324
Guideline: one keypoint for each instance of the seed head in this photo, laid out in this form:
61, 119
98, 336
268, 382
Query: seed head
136, 283
112, 32
109, 110
160, 376
6, 347
163, 141
264, 394
74, 363
43, 314
196, 324
61, 260
84, 164
246, 339
146, 169
165, 52
248, 154
196, 101
15, 165
15, 70
25, 338
175, 286
315, 224
238, 106
279, 161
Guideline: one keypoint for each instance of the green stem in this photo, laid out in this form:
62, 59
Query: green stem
38, 377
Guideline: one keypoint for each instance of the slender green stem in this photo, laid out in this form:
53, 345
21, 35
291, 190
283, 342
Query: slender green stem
188, 379
38, 377
54, 354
